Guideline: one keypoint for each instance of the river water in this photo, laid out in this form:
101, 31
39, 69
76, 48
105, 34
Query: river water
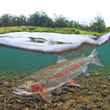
20, 61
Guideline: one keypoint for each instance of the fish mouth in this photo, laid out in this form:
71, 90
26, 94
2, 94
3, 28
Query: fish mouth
21, 92
24, 94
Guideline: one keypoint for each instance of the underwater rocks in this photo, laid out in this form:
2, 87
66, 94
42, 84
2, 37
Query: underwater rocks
94, 94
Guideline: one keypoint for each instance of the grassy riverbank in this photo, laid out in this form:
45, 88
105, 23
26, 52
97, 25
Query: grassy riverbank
46, 29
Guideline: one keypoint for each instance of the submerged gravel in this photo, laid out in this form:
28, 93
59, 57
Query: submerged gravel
94, 94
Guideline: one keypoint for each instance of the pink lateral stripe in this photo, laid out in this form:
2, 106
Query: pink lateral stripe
67, 70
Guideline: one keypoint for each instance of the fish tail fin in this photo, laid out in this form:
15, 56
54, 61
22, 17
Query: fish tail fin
95, 59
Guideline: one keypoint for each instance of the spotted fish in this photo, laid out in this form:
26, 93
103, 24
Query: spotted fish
55, 76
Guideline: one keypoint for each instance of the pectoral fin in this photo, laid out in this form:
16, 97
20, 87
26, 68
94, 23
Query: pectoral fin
45, 97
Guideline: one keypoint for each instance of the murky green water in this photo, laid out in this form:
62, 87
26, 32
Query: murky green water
19, 61
103, 54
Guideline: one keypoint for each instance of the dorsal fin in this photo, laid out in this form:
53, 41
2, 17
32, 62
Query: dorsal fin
60, 59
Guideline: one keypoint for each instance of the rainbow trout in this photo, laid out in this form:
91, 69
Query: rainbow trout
55, 76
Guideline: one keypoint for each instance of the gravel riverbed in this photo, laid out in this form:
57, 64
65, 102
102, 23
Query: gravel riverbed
94, 94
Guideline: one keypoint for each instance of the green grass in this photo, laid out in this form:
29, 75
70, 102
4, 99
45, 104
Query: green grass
46, 29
